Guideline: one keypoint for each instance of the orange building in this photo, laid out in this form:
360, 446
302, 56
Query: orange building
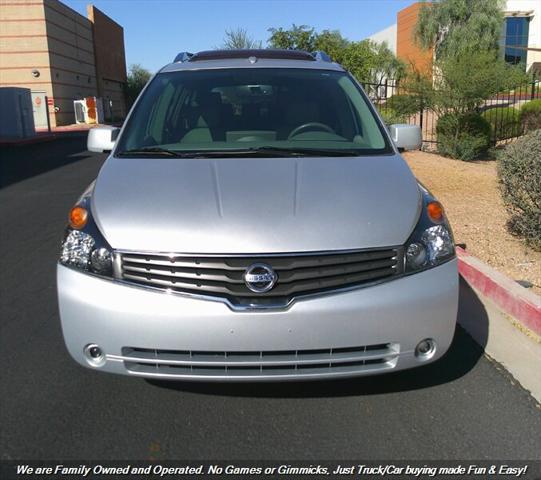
519, 43
407, 48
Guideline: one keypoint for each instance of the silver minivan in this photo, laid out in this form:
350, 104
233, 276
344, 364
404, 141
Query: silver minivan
255, 221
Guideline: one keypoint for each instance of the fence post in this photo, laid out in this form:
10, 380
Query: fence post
533, 85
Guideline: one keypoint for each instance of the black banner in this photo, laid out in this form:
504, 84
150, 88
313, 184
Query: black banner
270, 469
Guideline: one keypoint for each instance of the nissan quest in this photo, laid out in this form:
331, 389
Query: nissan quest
254, 220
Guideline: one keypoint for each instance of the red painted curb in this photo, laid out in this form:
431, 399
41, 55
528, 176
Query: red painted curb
512, 298
40, 138
28, 141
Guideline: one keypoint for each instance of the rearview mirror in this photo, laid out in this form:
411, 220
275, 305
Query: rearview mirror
102, 139
407, 137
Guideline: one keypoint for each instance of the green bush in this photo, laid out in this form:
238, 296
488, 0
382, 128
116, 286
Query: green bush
390, 116
464, 137
530, 115
519, 171
405, 105
504, 121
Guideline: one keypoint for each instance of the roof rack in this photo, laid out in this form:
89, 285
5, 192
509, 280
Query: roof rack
183, 57
247, 53
321, 56
271, 53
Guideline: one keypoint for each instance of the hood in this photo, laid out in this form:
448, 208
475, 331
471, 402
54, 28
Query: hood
255, 205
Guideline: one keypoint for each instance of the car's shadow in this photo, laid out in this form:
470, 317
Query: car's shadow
18, 163
462, 356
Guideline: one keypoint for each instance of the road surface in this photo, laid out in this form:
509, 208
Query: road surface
462, 407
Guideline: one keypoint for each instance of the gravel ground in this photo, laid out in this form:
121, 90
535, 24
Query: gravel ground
470, 195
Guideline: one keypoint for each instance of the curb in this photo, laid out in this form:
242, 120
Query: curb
40, 138
27, 141
509, 296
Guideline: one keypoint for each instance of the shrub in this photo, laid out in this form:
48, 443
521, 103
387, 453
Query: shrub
530, 115
519, 171
504, 121
464, 137
405, 105
390, 116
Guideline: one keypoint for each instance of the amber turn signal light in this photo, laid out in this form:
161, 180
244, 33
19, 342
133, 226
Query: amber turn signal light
78, 217
435, 211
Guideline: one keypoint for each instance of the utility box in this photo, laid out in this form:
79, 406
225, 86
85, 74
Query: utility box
17, 119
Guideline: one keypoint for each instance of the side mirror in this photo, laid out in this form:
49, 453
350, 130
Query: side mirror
102, 139
407, 137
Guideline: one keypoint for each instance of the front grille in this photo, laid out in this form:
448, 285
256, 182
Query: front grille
348, 360
224, 276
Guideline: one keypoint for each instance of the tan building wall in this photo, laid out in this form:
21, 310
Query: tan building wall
110, 61
24, 46
406, 46
71, 51
49, 37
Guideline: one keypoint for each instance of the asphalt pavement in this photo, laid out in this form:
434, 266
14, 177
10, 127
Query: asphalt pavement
462, 407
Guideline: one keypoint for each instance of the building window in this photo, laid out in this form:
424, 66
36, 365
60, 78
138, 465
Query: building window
516, 39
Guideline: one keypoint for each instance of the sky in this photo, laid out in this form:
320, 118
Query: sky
156, 30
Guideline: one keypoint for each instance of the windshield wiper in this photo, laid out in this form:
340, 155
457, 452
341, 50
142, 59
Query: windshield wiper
151, 151
268, 151
303, 152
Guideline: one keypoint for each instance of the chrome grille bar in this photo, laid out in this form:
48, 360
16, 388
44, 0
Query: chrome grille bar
259, 363
224, 276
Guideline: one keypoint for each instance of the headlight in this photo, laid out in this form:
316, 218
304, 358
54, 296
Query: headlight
76, 249
431, 243
83, 246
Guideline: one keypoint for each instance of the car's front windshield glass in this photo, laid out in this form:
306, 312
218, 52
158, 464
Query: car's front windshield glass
259, 111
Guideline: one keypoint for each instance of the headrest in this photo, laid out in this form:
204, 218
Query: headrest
209, 109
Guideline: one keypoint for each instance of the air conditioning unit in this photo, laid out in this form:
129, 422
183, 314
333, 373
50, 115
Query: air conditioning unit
80, 111
88, 110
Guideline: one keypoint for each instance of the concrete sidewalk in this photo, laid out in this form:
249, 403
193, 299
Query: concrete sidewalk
501, 339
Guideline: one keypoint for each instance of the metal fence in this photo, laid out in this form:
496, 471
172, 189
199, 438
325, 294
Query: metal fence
502, 111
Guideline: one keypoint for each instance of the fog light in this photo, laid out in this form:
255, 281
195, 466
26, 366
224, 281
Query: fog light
94, 355
95, 352
100, 260
425, 349
416, 255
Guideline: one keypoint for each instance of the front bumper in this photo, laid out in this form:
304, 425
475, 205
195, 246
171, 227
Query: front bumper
154, 334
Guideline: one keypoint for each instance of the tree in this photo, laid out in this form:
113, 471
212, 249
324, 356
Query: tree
366, 60
239, 39
460, 27
461, 88
137, 79
358, 58
298, 37
416, 93
385, 64
332, 43
464, 83
468, 70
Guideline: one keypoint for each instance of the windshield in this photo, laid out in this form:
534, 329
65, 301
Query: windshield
253, 111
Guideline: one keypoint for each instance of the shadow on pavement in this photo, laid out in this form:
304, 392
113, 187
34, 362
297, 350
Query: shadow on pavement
462, 356
18, 163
